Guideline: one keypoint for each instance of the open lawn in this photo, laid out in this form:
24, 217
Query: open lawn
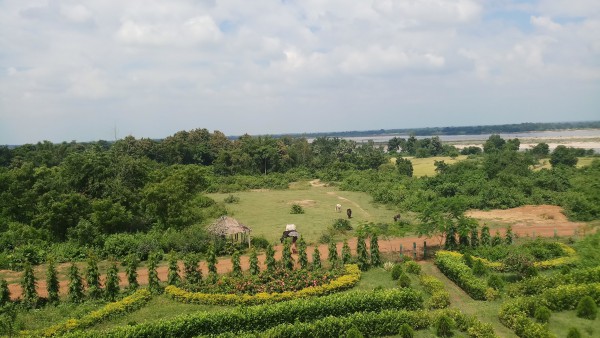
426, 167
267, 212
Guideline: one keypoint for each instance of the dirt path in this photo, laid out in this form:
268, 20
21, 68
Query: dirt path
392, 245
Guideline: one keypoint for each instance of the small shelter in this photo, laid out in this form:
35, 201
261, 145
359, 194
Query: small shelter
228, 226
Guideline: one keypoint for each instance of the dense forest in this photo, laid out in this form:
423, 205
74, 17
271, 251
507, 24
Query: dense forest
143, 195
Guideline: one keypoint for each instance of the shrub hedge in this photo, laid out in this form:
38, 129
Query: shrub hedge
346, 281
452, 265
263, 317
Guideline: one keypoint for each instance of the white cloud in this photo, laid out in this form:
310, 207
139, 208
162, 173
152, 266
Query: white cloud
545, 22
77, 13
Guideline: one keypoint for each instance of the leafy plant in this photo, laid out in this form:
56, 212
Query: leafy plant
270, 258
346, 254
362, 254
193, 274
231, 199
153, 281
75, 285
332, 256
254, 269
51, 282
132, 264
296, 209
412, 267
286, 256
173, 277
92, 277
444, 326
542, 314
111, 287
375, 254
302, 256
28, 285
573, 333
235, 262
342, 224
353, 332
587, 308
397, 271
4, 292
495, 281
404, 281
211, 260
406, 331
316, 258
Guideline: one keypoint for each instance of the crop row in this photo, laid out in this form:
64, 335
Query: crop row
127, 304
455, 269
266, 316
536, 285
371, 324
344, 282
516, 313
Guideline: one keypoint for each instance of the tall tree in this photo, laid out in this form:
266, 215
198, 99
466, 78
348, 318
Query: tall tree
93, 278
75, 285
52, 285
28, 285
111, 286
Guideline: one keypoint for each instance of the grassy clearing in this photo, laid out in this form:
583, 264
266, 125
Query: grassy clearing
267, 212
544, 163
426, 167
560, 322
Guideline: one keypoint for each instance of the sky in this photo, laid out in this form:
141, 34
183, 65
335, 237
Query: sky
104, 69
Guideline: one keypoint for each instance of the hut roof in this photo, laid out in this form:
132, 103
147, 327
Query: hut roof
226, 225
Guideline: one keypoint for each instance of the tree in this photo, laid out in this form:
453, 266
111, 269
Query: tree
75, 285
131, 271
563, 156
494, 143
302, 256
93, 278
4, 292
52, 281
346, 254
286, 256
375, 254
270, 258
316, 258
541, 150
173, 278
332, 256
362, 253
486, 239
153, 280
111, 286
404, 166
235, 262
28, 285
254, 269
193, 275
211, 260
509, 235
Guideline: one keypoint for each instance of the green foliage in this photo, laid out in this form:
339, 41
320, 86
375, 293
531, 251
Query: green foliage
454, 268
563, 156
111, 285
153, 282
211, 260
270, 258
496, 240
404, 167
353, 332
587, 308
254, 269
404, 281
412, 267
479, 269
75, 285
406, 331
508, 238
375, 254
342, 225
316, 258
235, 262
131, 265
52, 285
397, 271
362, 254
444, 326
173, 277
542, 314
28, 285
92, 277
495, 281
485, 236
4, 292
332, 256
231, 199
286, 256
302, 256
259, 242
346, 254
193, 274
573, 333
296, 209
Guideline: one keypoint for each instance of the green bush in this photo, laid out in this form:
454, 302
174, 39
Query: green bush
453, 267
404, 281
542, 314
479, 269
495, 281
412, 267
296, 209
397, 271
259, 242
353, 332
438, 300
406, 331
444, 326
231, 199
587, 308
341, 224
573, 333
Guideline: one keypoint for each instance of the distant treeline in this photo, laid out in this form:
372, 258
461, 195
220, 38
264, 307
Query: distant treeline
463, 130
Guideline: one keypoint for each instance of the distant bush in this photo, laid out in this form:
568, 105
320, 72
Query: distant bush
341, 224
406, 331
444, 326
412, 267
542, 314
404, 281
296, 209
231, 199
573, 333
397, 271
259, 242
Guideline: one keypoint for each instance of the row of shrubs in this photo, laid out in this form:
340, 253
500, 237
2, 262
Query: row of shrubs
516, 313
263, 317
385, 323
439, 297
537, 284
348, 280
127, 304
452, 265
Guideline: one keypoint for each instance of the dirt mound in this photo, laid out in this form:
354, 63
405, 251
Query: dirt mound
528, 215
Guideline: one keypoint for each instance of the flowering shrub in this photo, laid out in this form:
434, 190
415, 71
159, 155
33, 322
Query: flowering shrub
346, 281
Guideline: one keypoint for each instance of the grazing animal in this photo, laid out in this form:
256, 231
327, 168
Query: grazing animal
349, 213
338, 207
396, 218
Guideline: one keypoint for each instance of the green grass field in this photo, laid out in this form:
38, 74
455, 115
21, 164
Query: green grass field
267, 212
426, 167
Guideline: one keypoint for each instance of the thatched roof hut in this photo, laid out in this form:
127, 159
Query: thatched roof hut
229, 226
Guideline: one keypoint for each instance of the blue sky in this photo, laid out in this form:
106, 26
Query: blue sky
78, 70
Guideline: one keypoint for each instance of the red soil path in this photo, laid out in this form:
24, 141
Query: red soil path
552, 223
